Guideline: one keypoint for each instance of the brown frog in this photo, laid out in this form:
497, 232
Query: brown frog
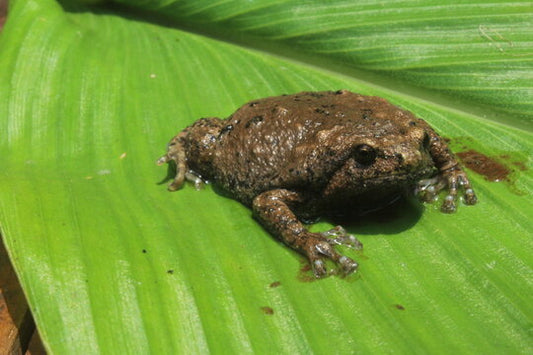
296, 157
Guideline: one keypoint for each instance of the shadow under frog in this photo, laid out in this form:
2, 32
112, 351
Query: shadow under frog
296, 157
391, 217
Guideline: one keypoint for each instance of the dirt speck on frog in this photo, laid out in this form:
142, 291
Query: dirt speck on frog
296, 157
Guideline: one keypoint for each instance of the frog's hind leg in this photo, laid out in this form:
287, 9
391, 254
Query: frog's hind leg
175, 153
272, 209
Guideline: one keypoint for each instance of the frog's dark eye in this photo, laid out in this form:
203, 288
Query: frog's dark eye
365, 154
425, 141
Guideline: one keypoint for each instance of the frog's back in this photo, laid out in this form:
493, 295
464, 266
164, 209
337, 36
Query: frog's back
260, 143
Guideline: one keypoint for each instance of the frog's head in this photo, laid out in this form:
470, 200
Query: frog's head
383, 164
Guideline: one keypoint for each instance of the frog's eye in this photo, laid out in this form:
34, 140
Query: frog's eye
425, 141
365, 154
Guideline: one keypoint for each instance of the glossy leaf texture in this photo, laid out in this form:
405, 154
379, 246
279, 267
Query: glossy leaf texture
112, 262
467, 54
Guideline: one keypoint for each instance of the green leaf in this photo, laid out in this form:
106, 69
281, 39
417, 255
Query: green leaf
476, 52
112, 262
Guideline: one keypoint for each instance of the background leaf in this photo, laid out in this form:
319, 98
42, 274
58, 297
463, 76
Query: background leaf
473, 52
112, 262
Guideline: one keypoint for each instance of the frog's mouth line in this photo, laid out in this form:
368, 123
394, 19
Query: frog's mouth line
396, 177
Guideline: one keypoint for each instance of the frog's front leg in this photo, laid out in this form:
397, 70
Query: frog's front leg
450, 176
272, 209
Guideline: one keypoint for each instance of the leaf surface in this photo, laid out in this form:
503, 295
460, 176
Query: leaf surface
112, 262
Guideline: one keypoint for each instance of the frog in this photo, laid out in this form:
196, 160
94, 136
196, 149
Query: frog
298, 157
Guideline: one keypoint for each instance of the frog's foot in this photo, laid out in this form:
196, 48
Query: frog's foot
175, 153
316, 247
451, 179
272, 209
342, 238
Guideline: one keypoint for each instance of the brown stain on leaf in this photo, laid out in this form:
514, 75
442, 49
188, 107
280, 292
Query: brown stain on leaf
3, 13
488, 167
275, 284
267, 310
500, 167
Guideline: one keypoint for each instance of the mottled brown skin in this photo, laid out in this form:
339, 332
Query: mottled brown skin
300, 156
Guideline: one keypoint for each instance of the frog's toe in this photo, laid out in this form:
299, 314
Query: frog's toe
323, 248
348, 265
175, 185
342, 238
448, 205
196, 179
319, 268
163, 160
428, 189
470, 197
